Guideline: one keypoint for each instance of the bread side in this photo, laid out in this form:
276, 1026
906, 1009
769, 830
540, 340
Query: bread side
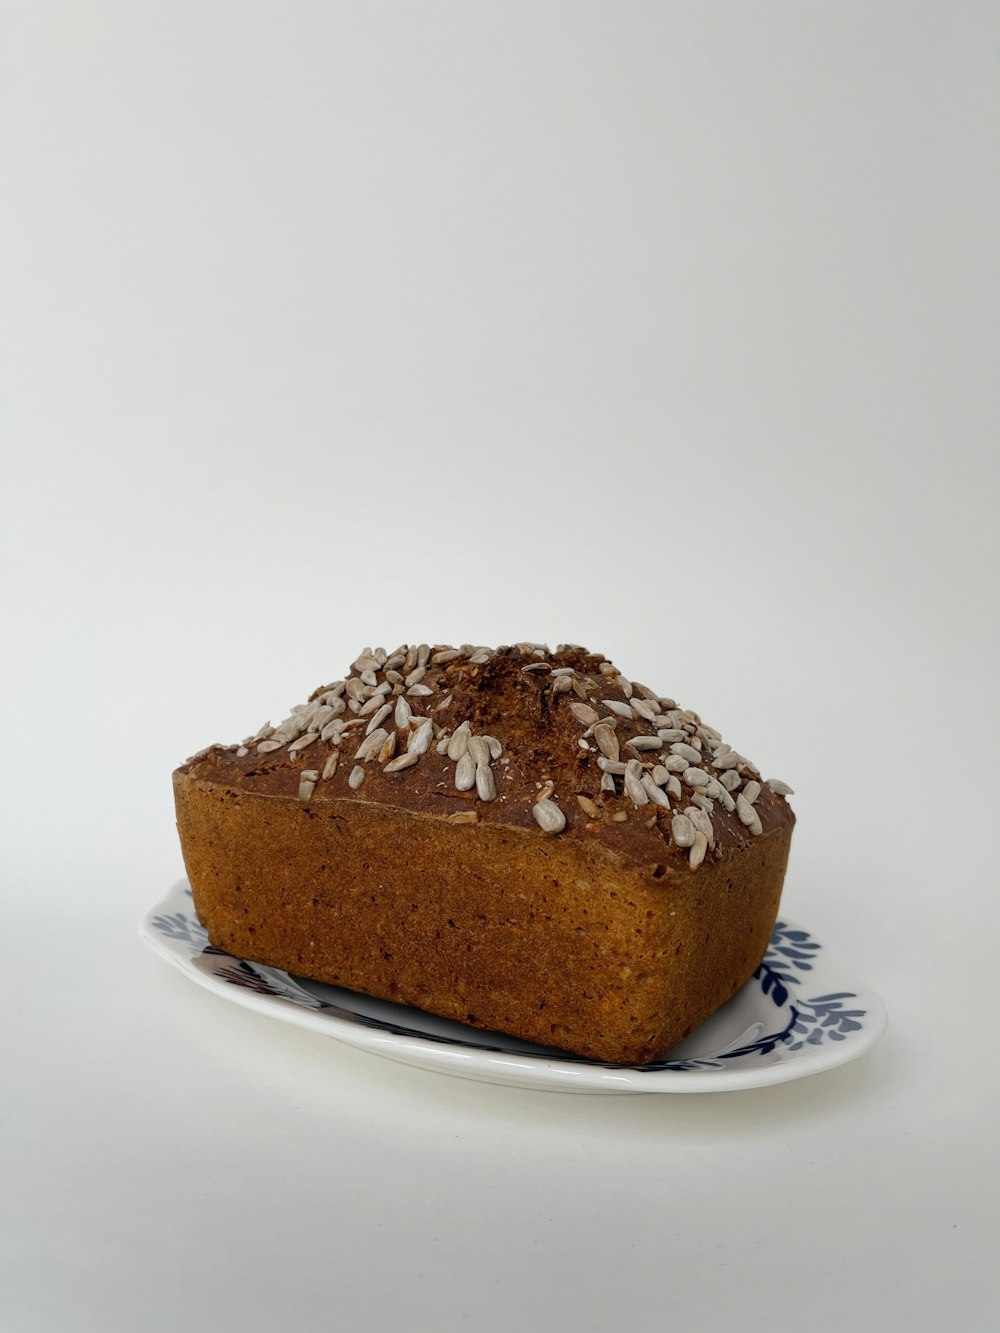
551, 940
515, 838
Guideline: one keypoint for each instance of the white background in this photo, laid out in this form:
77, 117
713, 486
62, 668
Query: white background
667, 328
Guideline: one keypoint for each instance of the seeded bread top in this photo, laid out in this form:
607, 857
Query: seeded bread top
558, 742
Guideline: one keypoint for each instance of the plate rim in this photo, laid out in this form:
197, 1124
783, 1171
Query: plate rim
532, 1071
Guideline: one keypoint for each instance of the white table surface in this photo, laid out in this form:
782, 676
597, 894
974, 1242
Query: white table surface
669, 329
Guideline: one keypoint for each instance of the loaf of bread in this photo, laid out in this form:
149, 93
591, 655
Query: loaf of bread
520, 839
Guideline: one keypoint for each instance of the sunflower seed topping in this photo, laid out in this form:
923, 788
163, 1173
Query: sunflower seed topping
479, 750
607, 740
587, 806
403, 713
656, 794
616, 706
585, 714
748, 815
465, 773
698, 849
401, 761
265, 747
307, 783
548, 816
377, 717
634, 789
459, 742
682, 830
357, 776
330, 767
779, 787
419, 740
641, 743
371, 744
486, 785
751, 791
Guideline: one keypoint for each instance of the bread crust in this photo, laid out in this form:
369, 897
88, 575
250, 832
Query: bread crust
586, 943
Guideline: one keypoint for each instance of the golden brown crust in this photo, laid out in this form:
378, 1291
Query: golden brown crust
540, 738
600, 939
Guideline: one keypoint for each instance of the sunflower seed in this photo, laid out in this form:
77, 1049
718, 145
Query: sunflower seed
588, 806
562, 685
642, 743
496, 749
306, 785
479, 750
357, 776
702, 802
730, 779
403, 713
625, 686
616, 706
548, 816
355, 689
751, 791
445, 655
607, 741
748, 815
610, 765
608, 669
545, 790
263, 733
682, 830
481, 657
579, 687
371, 744
781, 788
698, 849
660, 775
675, 763
366, 662
674, 787
642, 708
537, 666
702, 823
419, 740
465, 772
243, 749
585, 714
378, 717
485, 782
687, 752
727, 760
265, 747
562, 671
634, 788
607, 782
370, 679
420, 691
330, 767
459, 742
423, 654
655, 793
388, 748
401, 761
415, 676
671, 734
726, 800
696, 777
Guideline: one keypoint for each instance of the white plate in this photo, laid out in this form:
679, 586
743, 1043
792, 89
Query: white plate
800, 1013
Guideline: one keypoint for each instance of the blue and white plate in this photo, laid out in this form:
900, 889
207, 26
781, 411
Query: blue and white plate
800, 1013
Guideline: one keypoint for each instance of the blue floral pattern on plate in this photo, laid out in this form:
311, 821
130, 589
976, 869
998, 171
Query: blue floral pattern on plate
789, 1017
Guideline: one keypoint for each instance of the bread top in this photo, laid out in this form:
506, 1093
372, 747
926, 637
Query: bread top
557, 743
